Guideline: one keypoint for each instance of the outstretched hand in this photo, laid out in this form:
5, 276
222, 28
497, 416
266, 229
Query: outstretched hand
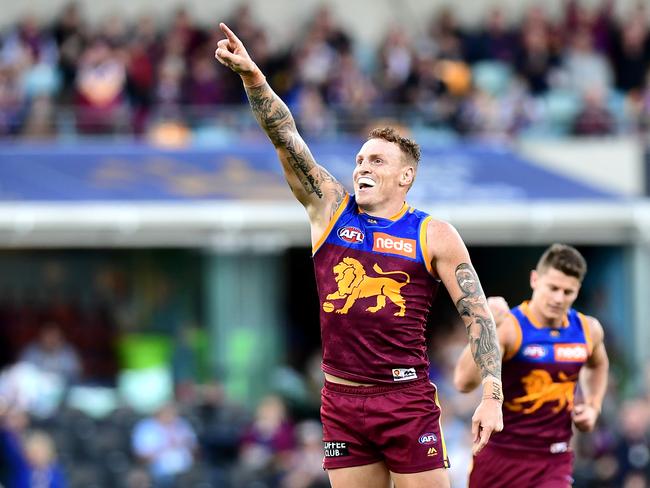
232, 53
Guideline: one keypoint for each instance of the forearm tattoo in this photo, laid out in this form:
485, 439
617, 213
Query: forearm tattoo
481, 329
278, 123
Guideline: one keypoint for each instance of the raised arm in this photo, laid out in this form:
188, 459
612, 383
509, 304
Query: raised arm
319, 192
593, 380
451, 262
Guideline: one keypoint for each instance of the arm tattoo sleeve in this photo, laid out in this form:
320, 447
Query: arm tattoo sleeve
275, 119
481, 329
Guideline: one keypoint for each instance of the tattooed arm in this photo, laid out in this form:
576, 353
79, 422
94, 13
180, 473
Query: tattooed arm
450, 261
313, 186
481, 329
467, 375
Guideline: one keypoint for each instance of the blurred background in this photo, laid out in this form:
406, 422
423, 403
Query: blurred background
158, 312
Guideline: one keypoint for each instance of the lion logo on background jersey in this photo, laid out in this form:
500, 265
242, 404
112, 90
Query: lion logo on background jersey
353, 283
540, 389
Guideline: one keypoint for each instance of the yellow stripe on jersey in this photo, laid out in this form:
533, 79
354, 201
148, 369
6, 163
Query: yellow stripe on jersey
424, 225
587, 331
401, 212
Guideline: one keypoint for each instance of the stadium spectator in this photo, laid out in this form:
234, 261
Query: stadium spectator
536, 62
312, 115
632, 449
631, 54
222, 427
202, 89
52, 353
306, 464
266, 445
100, 89
586, 68
29, 456
166, 444
597, 22
594, 118
396, 64
141, 60
495, 41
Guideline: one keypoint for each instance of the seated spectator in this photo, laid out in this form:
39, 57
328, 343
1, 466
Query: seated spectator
267, 445
585, 67
11, 101
594, 119
30, 457
222, 424
496, 40
53, 354
166, 443
101, 82
203, 88
536, 61
631, 448
306, 468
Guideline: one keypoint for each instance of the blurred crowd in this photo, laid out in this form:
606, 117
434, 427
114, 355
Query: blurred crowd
584, 73
201, 438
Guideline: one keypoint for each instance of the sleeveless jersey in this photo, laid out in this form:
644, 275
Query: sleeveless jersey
375, 289
539, 383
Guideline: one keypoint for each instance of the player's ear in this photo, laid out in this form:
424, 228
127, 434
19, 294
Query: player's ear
407, 176
534, 276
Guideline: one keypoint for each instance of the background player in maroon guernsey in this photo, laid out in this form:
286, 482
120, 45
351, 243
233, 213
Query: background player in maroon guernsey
548, 348
377, 262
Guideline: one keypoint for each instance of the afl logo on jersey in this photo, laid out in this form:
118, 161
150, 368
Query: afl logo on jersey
351, 235
534, 351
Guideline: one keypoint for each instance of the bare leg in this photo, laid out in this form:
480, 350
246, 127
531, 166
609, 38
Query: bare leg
368, 476
435, 478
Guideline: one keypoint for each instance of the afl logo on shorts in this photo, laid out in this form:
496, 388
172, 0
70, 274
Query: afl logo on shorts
351, 235
428, 438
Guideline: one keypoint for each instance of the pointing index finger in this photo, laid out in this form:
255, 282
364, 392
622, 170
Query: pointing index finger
229, 34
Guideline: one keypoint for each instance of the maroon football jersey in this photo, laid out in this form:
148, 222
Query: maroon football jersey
375, 289
539, 383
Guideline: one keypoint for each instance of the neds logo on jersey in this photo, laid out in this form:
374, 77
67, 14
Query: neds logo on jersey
393, 245
351, 234
570, 353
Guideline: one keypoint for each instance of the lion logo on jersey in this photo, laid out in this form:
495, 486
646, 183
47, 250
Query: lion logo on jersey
353, 283
540, 389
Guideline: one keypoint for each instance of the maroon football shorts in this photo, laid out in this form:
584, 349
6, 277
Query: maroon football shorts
497, 467
398, 424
